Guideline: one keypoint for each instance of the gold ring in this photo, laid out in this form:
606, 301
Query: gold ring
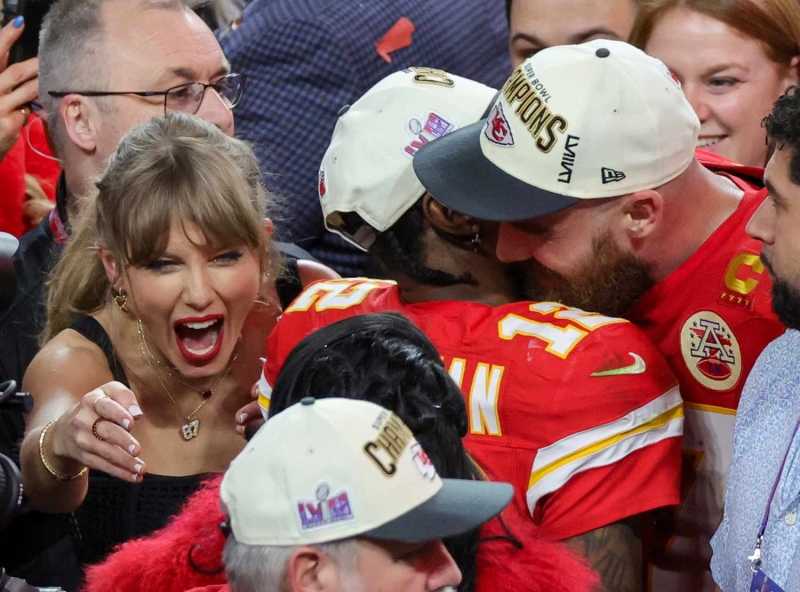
94, 403
94, 429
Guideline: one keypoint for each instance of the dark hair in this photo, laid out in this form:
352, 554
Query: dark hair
383, 358
400, 249
783, 128
386, 359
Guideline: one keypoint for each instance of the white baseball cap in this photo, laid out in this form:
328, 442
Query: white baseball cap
330, 469
574, 122
367, 169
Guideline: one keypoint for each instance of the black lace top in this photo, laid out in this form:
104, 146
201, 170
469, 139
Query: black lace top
115, 511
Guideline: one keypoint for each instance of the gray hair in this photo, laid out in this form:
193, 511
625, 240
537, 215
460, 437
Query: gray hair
262, 568
71, 52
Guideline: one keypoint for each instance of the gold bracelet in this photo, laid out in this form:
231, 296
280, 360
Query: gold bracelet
46, 464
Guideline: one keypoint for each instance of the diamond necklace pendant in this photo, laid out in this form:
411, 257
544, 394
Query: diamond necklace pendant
190, 430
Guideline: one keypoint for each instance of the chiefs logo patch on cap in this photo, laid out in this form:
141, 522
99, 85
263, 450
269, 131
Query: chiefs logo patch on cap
497, 129
711, 351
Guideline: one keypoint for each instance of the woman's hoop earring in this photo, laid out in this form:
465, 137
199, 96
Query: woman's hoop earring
121, 299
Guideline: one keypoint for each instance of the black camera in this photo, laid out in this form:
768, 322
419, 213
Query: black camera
11, 491
10, 400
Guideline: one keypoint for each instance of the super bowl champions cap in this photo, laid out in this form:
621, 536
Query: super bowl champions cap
366, 180
574, 122
329, 469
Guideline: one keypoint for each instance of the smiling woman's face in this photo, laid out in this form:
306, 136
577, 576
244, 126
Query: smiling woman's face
193, 300
727, 77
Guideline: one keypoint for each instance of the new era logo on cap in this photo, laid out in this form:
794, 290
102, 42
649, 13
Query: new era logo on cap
611, 176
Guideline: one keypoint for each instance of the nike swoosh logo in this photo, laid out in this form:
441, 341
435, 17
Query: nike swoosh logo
638, 367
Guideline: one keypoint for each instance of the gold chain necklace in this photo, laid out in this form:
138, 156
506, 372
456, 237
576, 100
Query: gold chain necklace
191, 428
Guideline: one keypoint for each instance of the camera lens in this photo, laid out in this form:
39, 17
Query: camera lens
10, 490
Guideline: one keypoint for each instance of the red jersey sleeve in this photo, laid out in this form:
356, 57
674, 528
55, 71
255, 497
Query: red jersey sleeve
591, 429
625, 466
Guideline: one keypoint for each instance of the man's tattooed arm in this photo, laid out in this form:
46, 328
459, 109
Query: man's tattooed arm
615, 553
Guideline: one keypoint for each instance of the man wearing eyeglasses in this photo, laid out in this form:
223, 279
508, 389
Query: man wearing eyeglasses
105, 65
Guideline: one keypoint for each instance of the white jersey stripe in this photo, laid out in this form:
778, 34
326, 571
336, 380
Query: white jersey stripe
554, 465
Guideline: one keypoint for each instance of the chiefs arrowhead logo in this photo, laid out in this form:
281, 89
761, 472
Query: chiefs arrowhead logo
497, 129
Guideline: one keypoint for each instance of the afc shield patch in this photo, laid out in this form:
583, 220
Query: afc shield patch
711, 351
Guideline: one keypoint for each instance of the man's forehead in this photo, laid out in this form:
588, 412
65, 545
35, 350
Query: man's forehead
161, 43
572, 21
777, 173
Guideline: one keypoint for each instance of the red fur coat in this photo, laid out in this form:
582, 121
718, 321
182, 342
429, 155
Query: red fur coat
161, 561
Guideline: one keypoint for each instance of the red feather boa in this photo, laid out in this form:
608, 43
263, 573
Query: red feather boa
161, 561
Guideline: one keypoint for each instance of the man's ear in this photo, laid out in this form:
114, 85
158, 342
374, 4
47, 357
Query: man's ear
310, 570
793, 73
79, 116
642, 213
444, 218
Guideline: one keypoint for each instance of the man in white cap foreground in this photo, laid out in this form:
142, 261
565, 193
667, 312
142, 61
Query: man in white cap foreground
588, 159
336, 495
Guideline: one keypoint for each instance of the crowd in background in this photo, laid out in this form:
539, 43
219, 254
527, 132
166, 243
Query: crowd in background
404, 295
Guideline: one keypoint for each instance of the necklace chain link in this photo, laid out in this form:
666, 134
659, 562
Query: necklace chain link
189, 430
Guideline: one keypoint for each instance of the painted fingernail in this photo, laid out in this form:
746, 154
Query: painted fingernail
138, 468
126, 423
131, 448
36, 107
135, 410
19, 21
243, 418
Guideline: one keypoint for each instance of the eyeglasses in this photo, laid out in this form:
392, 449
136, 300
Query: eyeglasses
185, 98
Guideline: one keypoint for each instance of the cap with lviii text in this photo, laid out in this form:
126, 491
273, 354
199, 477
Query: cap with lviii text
574, 122
366, 180
329, 469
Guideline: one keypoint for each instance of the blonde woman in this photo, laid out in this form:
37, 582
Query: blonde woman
145, 364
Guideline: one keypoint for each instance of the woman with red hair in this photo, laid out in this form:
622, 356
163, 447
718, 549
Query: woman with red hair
734, 58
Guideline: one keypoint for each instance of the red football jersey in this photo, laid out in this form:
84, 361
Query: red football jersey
578, 411
710, 318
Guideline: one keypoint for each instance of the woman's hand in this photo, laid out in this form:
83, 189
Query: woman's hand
249, 418
96, 433
19, 86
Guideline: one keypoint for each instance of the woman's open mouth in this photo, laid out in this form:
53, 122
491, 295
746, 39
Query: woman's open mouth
200, 339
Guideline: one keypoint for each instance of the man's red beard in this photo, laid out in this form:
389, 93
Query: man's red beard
610, 283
